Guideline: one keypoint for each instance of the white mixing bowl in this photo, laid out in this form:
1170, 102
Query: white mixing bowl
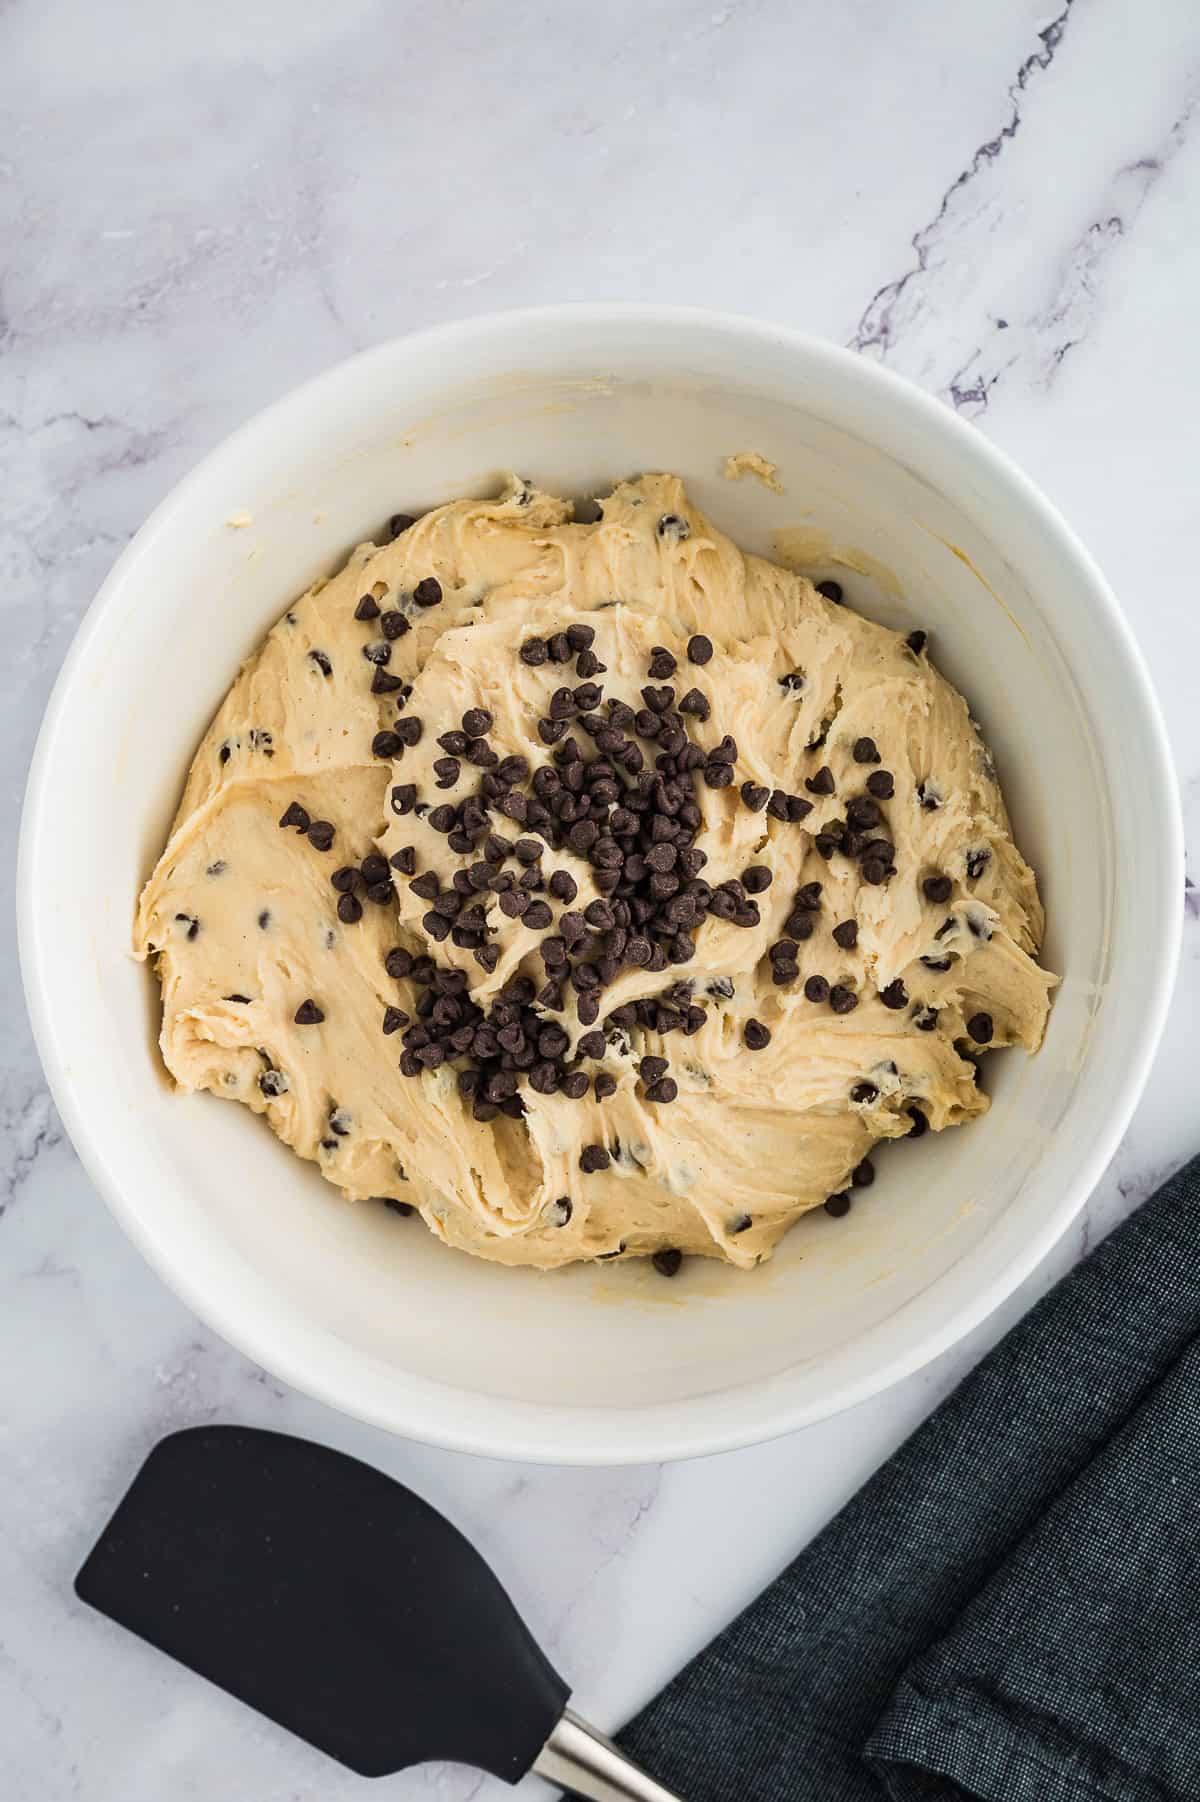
610, 1363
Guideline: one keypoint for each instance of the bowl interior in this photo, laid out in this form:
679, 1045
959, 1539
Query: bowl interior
607, 1363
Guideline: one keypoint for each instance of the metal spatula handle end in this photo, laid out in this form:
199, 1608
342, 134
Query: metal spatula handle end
588, 1765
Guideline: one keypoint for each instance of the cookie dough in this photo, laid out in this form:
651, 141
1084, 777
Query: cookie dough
591, 888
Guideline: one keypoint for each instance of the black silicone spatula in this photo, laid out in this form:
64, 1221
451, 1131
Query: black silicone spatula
340, 1605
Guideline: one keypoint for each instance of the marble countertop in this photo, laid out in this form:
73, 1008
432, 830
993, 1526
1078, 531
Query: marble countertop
998, 202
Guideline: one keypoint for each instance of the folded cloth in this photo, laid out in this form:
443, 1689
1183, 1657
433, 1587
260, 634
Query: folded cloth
1009, 1611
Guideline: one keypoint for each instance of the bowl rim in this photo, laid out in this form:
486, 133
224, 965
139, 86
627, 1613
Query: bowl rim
534, 1432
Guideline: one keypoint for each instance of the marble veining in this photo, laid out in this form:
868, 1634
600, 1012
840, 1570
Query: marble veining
197, 216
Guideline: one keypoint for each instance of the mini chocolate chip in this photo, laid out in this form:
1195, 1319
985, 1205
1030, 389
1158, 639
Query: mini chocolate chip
875, 871
386, 744
718, 775
822, 783
563, 886
476, 722
368, 608
841, 999
672, 526
383, 684
224, 754
604, 1084
574, 1085
581, 638
349, 909
533, 652
308, 1014
925, 1019
345, 879
838, 1205
916, 642
447, 770
866, 751
538, 916
409, 730
320, 835
374, 868
920, 1125
378, 652
404, 798
845, 934
831, 590
394, 1018
405, 1209
322, 662
594, 1157
793, 683
393, 624
651, 1068
295, 815
980, 1028
976, 863
700, 649
864, 1093
937, 888
399, 522
428, 592
264, 920
662, 663
754, 797
243, 1000
756, 1035
816, 989
881, 784
667, 1262
273, 1082
863, 1175
664, 1090
895, 995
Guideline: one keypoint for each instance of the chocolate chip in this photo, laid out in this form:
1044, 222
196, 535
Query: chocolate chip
346, 879
447, 770
322, 662
881, 784
980, 1027
816, 989
574, 1085
754, 797
925, 1019
295, 815
920, 1125
757, 878
404, 798
916, 642
667, 1262
386, 744
841, 999
349, 909
651, 1068
264, 920
976, 862
273, 1082
321, 834
822, 783
594, 1157
428, 592
718, 775
929, 796
866, 751
224, 754
378, 652
383, 684
487, 957
937, 888
663, 1091
831, 590
700, 649
698, 706
604, 1084
394, 1018
756, 1035
838, 1205
876, 871
845, 934
538, 916
308, 1014
375, 868
368, 608
671, 526
243, 1000
563, 886
863, 1175
399, 522
533, 652
662, 663
794, 683
393, 624
404, 1209
864, 1093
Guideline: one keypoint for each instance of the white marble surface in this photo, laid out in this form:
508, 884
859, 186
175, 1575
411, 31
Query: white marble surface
201, 206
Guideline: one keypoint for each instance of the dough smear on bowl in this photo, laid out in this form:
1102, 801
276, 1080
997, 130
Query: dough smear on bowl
591, 888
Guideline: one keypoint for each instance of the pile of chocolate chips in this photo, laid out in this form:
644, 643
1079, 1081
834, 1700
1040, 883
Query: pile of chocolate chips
634, 822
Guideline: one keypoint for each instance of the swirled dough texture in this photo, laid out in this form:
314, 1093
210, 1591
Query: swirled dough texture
241, 917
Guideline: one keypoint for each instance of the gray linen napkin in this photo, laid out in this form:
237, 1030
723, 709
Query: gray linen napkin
1009, 1610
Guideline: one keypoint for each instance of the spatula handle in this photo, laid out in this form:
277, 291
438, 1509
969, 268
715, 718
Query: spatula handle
588, 1765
